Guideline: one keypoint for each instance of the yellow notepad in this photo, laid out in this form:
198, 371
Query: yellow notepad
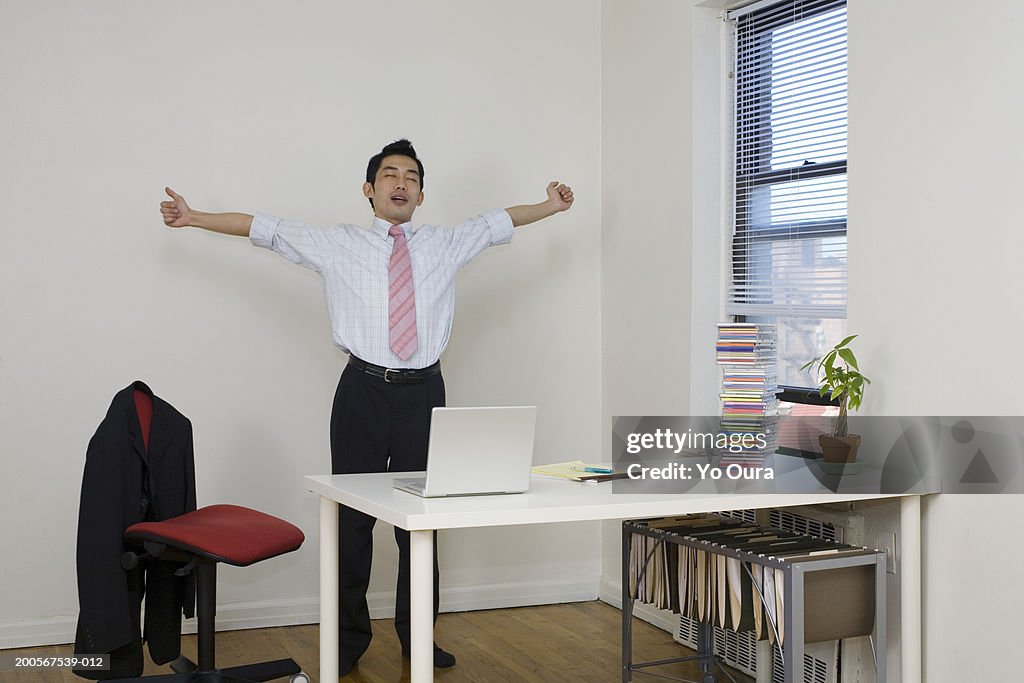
574, 470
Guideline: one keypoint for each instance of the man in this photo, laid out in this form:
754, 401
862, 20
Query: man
390, 294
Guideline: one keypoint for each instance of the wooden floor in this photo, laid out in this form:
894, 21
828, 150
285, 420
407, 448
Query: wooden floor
577, 642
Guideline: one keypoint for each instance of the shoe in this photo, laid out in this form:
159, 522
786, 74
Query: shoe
345, 666
442, 659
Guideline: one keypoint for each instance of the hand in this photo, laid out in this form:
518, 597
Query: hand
176, 213
559, 195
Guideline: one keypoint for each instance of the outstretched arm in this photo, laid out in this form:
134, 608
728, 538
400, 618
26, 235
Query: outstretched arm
178, 214
559, 199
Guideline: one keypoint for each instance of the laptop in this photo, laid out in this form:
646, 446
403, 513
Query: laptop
476, 451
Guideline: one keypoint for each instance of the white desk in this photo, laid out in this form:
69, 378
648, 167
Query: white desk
548, 501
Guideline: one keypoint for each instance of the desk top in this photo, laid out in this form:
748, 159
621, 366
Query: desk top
548, 500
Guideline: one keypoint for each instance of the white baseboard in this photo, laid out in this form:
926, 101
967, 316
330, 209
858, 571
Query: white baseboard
496, 596
34, 632
262, 614
230, 617
611, 592
266, 613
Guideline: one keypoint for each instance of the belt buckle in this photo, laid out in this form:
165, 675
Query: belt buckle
394, 370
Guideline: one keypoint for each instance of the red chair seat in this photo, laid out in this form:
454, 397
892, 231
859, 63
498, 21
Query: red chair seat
226, 533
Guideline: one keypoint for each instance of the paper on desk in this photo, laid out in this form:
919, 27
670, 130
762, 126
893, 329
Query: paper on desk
561, 470
574, 470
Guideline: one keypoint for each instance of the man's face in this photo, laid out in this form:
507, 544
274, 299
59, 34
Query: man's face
396, 190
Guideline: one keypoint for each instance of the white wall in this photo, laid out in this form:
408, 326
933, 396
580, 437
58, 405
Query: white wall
266, 106
934, 242
646, 220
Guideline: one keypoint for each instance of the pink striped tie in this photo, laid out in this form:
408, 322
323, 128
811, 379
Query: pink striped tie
401, 302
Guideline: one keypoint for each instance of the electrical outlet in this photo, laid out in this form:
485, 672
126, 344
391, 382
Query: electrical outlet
886, 540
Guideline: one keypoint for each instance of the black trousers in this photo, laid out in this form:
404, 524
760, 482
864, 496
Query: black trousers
376, 426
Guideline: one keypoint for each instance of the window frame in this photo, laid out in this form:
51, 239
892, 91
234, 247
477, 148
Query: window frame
753, 169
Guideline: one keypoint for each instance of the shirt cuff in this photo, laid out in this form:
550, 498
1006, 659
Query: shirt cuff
501, 226
262, 230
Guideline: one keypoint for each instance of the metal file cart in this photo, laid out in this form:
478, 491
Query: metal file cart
811, 582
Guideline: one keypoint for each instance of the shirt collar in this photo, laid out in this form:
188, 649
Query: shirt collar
381, 227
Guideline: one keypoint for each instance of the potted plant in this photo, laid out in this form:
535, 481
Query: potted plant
840, 376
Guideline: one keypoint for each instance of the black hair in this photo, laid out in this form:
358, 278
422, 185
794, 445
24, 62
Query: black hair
400, 147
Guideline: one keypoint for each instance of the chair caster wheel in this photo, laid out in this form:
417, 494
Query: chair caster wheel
299, 678
709, 678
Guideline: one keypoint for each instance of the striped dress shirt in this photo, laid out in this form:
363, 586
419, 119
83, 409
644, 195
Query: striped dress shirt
353, 263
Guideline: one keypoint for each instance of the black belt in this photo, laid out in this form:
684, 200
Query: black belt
396, 375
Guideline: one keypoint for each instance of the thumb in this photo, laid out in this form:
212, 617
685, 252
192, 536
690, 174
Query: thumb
552, 184
171, 193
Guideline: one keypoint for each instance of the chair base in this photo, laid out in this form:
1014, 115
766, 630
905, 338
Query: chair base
206, 671
247, 673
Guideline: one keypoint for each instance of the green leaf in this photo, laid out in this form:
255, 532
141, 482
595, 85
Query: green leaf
846, 341
839, 376
850, 359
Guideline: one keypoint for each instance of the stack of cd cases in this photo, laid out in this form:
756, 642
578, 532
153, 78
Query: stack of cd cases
750, 407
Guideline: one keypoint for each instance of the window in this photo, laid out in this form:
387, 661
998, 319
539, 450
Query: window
788, 255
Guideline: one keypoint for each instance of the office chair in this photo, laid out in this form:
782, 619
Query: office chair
201, 539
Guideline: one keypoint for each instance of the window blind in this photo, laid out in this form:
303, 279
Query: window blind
789, 229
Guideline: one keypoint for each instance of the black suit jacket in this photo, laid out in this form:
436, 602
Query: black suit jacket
125, 483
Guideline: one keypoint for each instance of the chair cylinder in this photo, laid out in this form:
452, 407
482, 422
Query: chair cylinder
206, 612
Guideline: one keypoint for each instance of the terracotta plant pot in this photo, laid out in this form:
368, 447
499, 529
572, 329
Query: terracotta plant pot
839, 449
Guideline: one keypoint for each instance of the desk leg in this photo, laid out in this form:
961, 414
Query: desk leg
421, 597
328, 589
627, 608
910, 589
